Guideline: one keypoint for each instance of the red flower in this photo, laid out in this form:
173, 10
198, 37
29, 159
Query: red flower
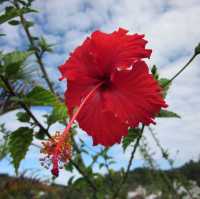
108, 79
58, 150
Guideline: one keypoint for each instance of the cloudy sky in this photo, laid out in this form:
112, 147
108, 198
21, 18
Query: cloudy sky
170, 26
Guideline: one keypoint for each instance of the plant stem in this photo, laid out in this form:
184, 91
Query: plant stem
23, 105
169, 161
84, 175
109, 174
115, 195
182, 69
38, 57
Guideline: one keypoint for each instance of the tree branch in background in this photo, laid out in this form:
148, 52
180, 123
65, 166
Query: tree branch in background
116, 193
23, 105
31, 41
84, 175
165, 155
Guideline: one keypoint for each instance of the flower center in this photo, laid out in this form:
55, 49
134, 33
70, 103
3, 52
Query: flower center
106, 81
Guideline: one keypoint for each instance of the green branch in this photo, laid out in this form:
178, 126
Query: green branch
125, 177
23, 105
37, 55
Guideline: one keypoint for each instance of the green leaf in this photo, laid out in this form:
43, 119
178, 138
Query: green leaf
3, 151
111, 162
101, 165
14, 22
154, 72
45, 47
22, 2
16, 57
13, 62
12, 12
165, 113
2, 85
133, 133
23, 117
28, 24
4, 141
19, 142
39, 96
2, 34
2, 1
70, 181
42, 97
59, 114
164, 83
80, 183
69, 167
40, 135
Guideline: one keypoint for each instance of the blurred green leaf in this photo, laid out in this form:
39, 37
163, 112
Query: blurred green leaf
2, 1
23, 117
42, 97
101, 165
13, 62
133, 133
40, 135
80, 183
39, 96
19, 142
45, 47
70, 181
22, 2
165, 85
165, 113
154, 72
3, 141
58, 114
111, 162
28, 24
12, 12
69, 167
164, 82
14, 22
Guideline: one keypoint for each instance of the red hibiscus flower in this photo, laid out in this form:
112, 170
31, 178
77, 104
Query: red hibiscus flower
110, 84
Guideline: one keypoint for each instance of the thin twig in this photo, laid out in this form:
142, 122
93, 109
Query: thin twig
84, 175
109, 174
181, 70
115, 195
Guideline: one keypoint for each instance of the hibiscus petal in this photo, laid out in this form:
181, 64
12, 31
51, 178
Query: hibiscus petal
103, 126
102, 52
75, 93
82, 64
119, 49
134, 95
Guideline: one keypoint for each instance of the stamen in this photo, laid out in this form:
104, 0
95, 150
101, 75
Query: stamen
58, 149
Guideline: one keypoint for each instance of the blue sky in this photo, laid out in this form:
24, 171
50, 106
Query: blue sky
170, 26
